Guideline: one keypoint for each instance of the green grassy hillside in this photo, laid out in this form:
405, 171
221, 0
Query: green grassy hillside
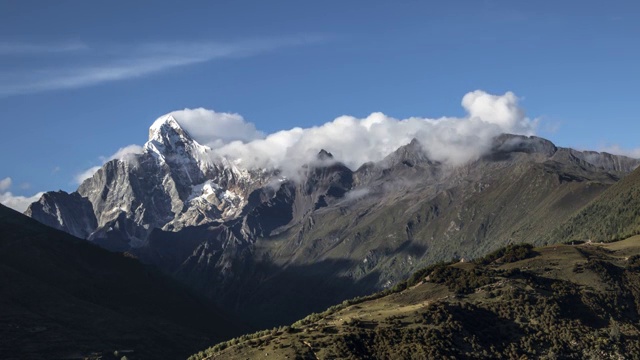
62, 297
613, 215
554, 302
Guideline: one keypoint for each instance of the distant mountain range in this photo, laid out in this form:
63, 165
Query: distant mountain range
271, 249
64, 298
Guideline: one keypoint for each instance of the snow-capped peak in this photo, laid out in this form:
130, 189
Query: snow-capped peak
165, 125
167, 137
171, 145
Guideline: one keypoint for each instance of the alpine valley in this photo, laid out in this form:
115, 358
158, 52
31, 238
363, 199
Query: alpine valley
269, 249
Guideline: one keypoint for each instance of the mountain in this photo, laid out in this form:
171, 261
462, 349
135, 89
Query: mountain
171, 185
270, 248
553, 302
396, 218
613, 215
62, 298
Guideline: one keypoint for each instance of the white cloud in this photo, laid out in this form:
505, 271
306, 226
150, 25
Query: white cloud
356, 194
502, 110
618, 150
18, 203
355, 141
5, 184
124, 153
84, 175
131, 61
215, 129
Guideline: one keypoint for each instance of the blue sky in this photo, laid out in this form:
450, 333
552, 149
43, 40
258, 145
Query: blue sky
81, 79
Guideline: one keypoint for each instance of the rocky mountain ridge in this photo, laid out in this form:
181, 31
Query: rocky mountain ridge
256, 242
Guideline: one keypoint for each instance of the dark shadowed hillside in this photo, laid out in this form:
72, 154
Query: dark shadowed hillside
62, 297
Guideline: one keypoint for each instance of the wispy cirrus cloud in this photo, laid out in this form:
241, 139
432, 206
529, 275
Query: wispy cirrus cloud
125, 61
22, 48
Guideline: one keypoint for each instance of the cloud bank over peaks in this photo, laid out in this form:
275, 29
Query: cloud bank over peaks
355, 141
213, 129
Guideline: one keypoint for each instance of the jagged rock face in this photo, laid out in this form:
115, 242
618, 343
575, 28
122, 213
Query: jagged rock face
69, 212
322, 184
408, 162
273, 210
206, 187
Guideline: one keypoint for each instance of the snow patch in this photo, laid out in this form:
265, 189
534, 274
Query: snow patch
203, 191
211, 192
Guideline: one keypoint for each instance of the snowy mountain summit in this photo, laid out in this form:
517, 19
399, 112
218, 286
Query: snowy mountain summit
175, 182
168, 138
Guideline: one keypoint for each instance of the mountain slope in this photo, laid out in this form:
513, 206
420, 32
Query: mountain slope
61, 297
560, 301
399, 215
613, 215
